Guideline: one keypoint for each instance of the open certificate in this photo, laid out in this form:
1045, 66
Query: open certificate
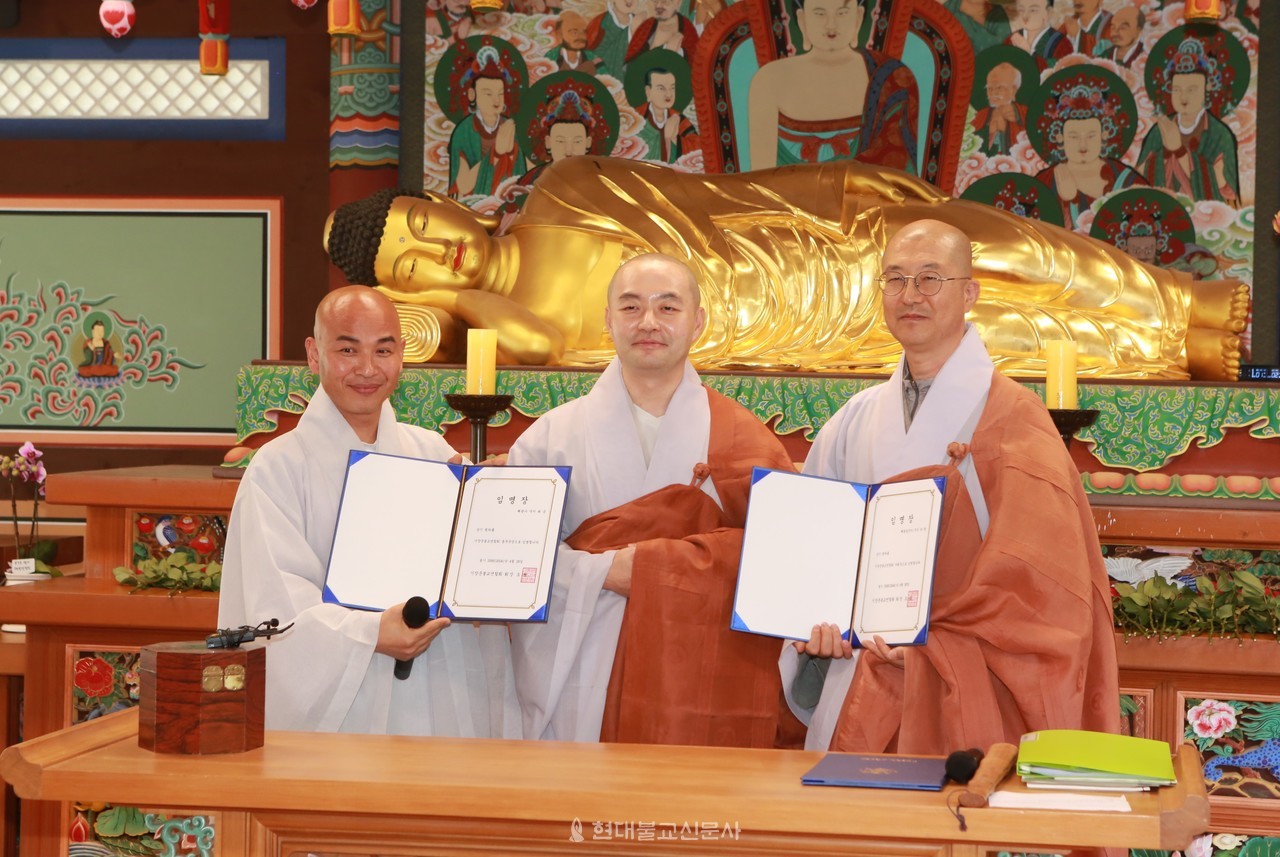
821, 550
478, 543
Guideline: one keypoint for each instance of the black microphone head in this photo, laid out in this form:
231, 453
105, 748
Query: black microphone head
963, 764
416, 612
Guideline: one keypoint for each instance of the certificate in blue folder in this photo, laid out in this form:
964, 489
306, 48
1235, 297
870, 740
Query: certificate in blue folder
823, 550
478, 543
878, 771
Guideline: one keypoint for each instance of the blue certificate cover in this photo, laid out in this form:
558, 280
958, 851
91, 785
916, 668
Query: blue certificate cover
878, 771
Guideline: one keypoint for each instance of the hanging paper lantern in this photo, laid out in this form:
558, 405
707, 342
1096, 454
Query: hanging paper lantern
480, 6
117, 16
344, 17
215, 26
1203, 10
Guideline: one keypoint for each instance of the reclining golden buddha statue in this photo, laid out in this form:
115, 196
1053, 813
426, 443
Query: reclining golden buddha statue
787, 261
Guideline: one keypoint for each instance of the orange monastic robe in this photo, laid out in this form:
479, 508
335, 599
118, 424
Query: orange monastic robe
680, 676
1021, 634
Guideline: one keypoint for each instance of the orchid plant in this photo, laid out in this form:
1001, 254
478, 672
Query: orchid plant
26, 466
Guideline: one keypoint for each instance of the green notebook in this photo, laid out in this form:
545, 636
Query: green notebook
1075, 755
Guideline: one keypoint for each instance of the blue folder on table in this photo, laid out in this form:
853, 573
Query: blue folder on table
878, 771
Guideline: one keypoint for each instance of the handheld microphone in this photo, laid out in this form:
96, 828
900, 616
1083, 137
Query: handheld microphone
416, 613
963, 764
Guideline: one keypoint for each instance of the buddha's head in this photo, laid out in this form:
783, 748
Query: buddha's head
413, 241
829, 25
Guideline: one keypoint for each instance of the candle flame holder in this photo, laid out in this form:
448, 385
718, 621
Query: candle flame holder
478, 409
1068, 421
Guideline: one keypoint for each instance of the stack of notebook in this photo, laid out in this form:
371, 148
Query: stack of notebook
1094, 761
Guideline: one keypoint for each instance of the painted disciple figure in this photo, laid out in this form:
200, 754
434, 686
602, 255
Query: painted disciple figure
570, 52
834, 101
483, 150
1036, 36
1190, 150
986, 23
999, 124
1083, 137
568, 132
1126, 33
666, 29
99, 356
450, 21
609, 33
1088, 28
667, 133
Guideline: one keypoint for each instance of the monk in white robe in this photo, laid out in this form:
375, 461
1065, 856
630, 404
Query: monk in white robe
332, 671
661, 470
1020, 633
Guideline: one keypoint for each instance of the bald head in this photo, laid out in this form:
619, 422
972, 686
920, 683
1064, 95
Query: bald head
349, 301
357, 351
948, 248
661, 265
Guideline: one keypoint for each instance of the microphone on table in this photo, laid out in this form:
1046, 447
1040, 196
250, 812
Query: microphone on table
963, 764
416, 613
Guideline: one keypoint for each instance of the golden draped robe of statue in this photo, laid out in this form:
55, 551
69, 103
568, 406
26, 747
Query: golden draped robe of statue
786, 260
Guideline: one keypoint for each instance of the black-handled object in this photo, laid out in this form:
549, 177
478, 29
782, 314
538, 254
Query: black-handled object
416, 613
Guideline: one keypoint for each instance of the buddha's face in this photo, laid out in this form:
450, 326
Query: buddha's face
1186, 91
661, 93
431, 243
1082, 140
566, 139
97, 331
1124, 27
1143, 248
1002, 85
653, 315
830, 25
488, 95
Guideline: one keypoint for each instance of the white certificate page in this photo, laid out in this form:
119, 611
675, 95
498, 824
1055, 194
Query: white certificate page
899, 547
799, 554
392, 536
504, 552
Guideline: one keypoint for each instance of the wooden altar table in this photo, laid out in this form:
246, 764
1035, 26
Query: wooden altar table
377, 794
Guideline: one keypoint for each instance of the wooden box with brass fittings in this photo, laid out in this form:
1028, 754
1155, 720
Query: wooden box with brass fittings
201, 701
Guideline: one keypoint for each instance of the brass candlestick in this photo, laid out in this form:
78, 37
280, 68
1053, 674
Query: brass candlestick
478, 409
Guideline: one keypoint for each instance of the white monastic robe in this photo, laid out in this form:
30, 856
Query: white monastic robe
562, 668
323, 674
866, 441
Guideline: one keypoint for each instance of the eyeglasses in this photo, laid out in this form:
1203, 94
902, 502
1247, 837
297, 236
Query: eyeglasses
927, 284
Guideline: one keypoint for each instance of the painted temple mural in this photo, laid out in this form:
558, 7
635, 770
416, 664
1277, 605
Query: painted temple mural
1115, 118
